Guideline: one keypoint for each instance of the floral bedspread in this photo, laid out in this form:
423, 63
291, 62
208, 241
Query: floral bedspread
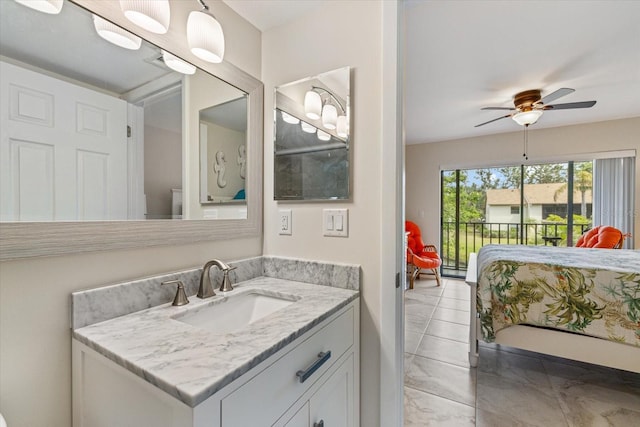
593, 292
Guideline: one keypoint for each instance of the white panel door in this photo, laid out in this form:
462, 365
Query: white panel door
63, 150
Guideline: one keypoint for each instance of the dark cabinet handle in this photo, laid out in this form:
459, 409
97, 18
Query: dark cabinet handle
304, 374
319, 424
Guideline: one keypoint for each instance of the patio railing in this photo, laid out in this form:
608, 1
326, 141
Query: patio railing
458, 242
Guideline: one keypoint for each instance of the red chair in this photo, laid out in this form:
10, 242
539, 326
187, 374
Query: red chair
419, 255
602, 236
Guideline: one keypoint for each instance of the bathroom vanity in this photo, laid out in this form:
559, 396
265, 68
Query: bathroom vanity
272, 352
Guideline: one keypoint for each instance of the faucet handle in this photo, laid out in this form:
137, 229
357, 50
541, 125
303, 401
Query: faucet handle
226, 286
181, 296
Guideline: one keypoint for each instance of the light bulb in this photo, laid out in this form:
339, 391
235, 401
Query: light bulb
52, 7
205, 37
306, 127
524, 118
329, 116
323, 136
177, 64
341, 127
116, 35
290, 119
312, 105
152, 15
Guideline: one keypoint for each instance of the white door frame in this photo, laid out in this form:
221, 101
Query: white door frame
392, 266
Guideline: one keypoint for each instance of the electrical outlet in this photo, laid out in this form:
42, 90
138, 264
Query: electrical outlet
284, 221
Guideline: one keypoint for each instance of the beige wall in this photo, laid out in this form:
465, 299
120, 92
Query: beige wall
163, 171
324, 41
424, 161
35, 339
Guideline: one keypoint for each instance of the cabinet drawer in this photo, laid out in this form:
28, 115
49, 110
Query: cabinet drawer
264, 398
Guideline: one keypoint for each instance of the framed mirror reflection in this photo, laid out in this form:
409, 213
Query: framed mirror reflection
160, 105
94, 125
312, 138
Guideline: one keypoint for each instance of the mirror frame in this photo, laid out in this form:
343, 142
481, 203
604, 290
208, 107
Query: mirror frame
33, 239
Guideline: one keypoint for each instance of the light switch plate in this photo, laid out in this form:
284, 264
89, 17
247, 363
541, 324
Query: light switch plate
335, 222
284, 221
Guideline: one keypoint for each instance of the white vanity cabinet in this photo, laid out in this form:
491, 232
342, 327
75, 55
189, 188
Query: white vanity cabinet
313, 381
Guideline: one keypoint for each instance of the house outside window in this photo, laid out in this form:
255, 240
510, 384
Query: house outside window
515, 210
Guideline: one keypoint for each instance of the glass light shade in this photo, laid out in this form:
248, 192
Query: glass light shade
177, 64
312, 105
290, 119
342, 129
323, 136
152, 15
205, 37
306, 127
116, 35
527, 117
329, 116
52, 7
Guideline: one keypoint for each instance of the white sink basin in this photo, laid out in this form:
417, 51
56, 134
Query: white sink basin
234, 312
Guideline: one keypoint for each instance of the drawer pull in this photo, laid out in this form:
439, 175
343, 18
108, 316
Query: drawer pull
319, 424
322, 357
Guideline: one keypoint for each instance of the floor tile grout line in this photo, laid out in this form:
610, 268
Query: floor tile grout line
442, 361
441, 397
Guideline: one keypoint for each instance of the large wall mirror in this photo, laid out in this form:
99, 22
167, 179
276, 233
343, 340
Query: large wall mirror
101, 134
312, 138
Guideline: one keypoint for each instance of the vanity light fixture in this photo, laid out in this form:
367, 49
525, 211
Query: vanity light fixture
315, 107
116, 35
177, 64
306, 127
204, 35
52, 7
323, 136
342, 127
312, 105
152, 15
288, 118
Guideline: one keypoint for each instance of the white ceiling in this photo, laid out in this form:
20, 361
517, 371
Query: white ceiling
465, 55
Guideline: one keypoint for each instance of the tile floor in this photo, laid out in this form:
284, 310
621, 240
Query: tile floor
510, 387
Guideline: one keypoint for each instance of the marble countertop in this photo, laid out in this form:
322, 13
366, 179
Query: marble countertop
191, 363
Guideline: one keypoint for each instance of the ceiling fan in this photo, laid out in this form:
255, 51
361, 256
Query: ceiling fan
529, 106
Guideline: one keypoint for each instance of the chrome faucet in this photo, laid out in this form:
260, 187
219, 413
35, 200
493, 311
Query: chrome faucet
206, 287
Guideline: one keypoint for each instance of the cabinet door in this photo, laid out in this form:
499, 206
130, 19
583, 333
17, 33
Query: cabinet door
332, 405
300, 419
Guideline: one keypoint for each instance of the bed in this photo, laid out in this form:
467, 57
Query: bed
576, 303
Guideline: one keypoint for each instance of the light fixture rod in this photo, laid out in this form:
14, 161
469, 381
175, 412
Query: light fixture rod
317, 88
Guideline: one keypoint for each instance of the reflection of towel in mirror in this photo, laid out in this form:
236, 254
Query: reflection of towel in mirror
219, 168
239, 195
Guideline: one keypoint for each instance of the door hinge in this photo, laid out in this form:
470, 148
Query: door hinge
128, 131
397, 280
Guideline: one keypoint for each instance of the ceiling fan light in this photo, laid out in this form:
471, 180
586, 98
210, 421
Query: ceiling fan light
52, 7
152, 15
306, 127
323, 136
329, 116
205, 37
288, 118
341, 127
525, 118
177, 64
116, 35
312, 105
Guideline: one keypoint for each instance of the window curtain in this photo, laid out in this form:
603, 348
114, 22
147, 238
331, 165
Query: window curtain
613, 194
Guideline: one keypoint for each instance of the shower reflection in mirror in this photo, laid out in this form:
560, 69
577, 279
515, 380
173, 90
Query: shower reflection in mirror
312, 138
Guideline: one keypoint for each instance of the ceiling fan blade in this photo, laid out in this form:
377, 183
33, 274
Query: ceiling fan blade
498, 108
569, 105
557, 94
482, 124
